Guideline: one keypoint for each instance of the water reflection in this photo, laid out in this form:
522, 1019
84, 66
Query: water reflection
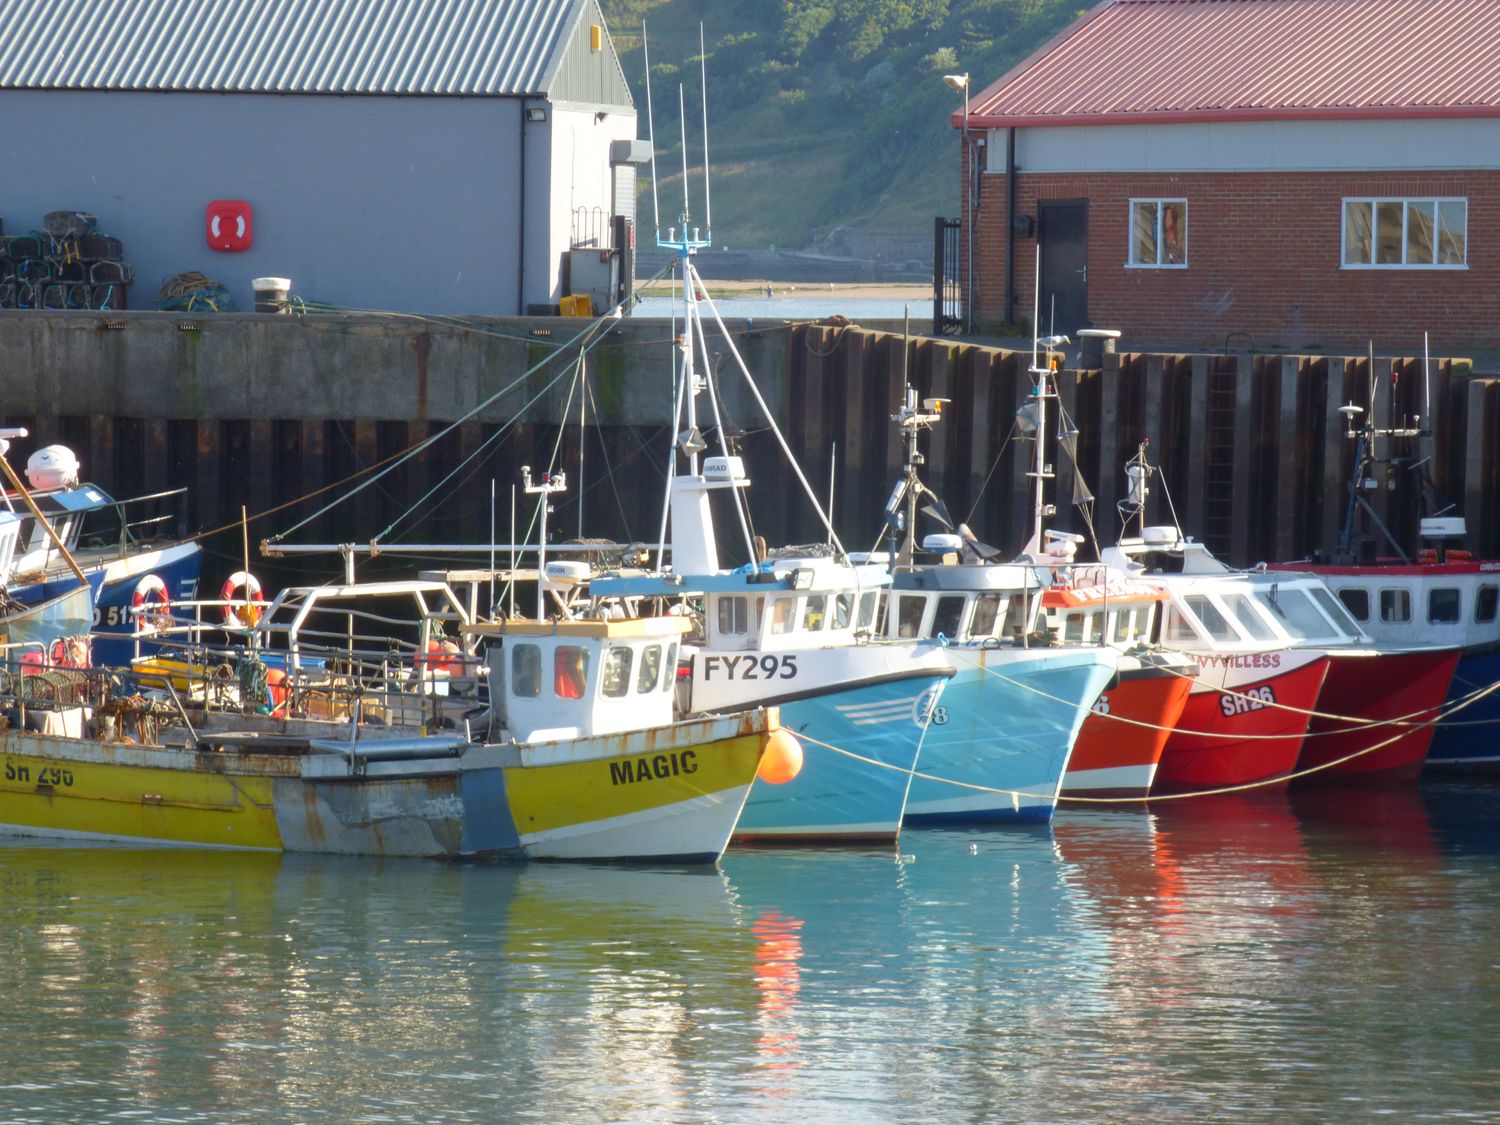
1281, 958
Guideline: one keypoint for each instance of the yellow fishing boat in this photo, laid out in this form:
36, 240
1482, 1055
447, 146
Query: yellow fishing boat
582, 762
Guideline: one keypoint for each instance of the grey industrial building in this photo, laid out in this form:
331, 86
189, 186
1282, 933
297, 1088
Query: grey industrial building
439, 156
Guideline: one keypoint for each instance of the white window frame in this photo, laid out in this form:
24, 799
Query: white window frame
1406, 201
1159, 202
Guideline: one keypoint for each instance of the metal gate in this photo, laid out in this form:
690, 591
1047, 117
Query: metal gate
947, 286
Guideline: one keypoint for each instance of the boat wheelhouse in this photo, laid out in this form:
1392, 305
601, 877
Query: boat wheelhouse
1004, 733
1443, 598
1120, 745
1368, 719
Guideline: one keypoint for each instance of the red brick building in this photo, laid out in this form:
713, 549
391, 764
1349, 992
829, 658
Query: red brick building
1281, 174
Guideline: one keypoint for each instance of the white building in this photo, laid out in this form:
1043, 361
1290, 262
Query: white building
438, 156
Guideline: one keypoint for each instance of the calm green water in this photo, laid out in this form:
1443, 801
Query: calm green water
1268, 961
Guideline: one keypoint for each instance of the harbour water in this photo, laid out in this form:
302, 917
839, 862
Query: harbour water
813, 304
1320, 957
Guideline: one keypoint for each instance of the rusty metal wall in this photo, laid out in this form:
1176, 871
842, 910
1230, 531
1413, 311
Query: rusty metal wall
1252, 449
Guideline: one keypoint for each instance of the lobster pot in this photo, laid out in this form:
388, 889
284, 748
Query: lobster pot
271, 294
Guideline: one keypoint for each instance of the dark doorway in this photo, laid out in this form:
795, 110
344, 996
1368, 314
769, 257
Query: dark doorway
1063, 233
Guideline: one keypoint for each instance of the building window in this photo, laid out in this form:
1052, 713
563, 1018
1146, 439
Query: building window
1406, 233
1158, 233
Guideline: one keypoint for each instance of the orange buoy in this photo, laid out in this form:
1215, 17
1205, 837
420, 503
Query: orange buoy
276, 689
782, 759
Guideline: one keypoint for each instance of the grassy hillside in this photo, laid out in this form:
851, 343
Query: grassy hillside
828, 119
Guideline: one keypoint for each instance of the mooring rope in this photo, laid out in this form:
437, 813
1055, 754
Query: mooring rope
1018, 794
1351, 723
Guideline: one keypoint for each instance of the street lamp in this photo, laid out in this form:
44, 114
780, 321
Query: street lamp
961, 82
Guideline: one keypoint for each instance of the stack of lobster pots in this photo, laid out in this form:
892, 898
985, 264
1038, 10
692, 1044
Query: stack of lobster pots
67, 264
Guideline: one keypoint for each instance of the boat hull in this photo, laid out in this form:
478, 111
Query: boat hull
1001, 738
669, 795
178, 566
1379, 688
1469, 738
1243, 723
1120, 745
607, 798
860, 745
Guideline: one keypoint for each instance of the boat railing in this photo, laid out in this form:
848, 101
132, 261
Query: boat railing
300, 670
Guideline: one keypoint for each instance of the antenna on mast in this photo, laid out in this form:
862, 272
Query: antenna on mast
708, 207
651, 133
682, 118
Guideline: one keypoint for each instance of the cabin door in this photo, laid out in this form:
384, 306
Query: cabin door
1063, 234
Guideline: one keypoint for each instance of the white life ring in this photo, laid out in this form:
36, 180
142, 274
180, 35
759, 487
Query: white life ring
252, 600
149, 605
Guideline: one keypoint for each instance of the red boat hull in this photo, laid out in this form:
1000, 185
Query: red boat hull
1118, 759
1376, 687
1248, 733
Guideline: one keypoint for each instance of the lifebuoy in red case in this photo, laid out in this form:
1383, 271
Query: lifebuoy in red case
149, 604
252, 601
230, 225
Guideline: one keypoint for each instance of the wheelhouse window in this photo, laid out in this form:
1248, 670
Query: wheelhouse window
949, 617
815, 612
734, 617
668, 680
570, 671
1443, 606
1214, 622
868, 602
783, 615
650, 669
526, 671
843, 610
1486, 603
1406, 233
1158, 233
1395, 605
909, 610
1297, 613
986, 613
1356, 601
614, 683
1251, 621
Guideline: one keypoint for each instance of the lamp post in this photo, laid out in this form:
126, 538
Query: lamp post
961, 82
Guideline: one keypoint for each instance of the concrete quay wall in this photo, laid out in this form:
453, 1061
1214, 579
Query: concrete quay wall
256, 411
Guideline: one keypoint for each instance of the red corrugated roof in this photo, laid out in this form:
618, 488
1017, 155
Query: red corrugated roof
1130, 61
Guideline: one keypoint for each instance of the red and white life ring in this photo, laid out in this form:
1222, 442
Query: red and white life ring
149, 604
252, 601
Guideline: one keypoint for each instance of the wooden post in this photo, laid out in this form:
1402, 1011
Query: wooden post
1114, 448
1480, 454
1244, 459
1290, 467
977, 414
208, 495
1197, 468
1336, 453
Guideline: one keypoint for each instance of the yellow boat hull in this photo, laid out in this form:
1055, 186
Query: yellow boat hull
669, 793
672, 794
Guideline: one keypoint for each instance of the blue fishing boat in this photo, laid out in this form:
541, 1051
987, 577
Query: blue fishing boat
1002, 737
113, 542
